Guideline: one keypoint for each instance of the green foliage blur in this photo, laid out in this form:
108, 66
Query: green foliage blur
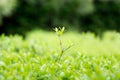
34, 58
19, 16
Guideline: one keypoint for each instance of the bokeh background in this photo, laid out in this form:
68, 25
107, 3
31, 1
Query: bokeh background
21, 16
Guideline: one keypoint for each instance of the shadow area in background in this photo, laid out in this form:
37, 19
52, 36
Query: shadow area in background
27, 18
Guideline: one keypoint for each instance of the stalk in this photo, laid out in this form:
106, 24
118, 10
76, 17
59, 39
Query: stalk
61, 48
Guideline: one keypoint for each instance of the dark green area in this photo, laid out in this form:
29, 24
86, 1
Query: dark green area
83, 15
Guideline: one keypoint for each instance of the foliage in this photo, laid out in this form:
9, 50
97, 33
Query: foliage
82, 15
6, 8
105, 17
34, 58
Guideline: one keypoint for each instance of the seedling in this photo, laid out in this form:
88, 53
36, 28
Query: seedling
59, 32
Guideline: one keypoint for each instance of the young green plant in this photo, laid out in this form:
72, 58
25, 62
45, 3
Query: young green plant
59, 32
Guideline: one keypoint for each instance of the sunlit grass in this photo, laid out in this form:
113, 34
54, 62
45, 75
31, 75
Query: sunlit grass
90, 58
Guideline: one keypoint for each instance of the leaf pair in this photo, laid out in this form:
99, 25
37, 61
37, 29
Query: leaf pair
59, 30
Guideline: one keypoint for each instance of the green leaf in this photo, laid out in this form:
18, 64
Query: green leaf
63, 28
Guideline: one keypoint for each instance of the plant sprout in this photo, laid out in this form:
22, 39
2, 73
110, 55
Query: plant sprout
59, 32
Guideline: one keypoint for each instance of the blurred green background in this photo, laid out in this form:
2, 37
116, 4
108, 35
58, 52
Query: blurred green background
21, 16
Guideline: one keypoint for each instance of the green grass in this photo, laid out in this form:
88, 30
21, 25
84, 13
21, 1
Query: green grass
90, 58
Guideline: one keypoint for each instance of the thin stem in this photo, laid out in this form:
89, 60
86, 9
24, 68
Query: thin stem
61, 48
67, 48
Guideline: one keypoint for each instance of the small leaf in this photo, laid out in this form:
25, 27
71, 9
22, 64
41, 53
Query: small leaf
63, 28
56, 29
2, 63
